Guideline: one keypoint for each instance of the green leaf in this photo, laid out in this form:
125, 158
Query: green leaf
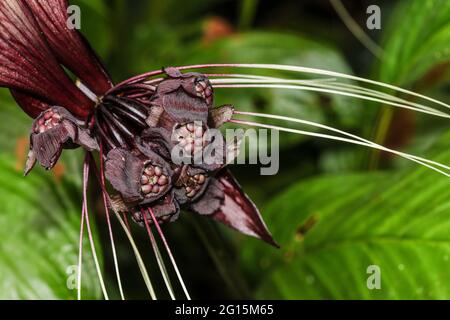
418, 42
39, 221
39, 228
18, 123
333, 228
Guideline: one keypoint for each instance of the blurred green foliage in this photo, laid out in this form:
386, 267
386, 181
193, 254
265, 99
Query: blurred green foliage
332, 228
332, 215
40, 219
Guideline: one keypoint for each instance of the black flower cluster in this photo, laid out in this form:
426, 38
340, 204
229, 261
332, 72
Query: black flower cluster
152, 134
144, 170
140, 136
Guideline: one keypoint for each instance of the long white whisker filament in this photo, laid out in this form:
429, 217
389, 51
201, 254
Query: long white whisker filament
88, 226
320, 82
328, 84
108, 221
322, 126
374, 93
140, 262
158, 256
229, 78
114, 253
80, 254
290, 68
169, 252
87, 92
324, 90
308, 71
355, 140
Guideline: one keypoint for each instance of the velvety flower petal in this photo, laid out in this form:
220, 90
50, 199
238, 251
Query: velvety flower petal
139, 178
28, 64
220, 115
156, 140
159, 118
69, 46
48, 146
124, 170
53, 130
213, 155
179, 105
84, 139
81, 135
165, 209
190, 183
195, 84
225, 201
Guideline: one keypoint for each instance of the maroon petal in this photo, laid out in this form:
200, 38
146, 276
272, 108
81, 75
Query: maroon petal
182, 107
80, 136
166, 209
69, 46
48, 146
157, 140
123, 170
53, 130
199, 86
195, 84
225, 201
190, 183
181, 98
159, 118
139, 179
180, 104
50, 131
85, 140
220, 115
27, 63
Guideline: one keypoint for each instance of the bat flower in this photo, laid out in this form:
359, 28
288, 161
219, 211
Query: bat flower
55, 129
182, 98
137, 126
140, 178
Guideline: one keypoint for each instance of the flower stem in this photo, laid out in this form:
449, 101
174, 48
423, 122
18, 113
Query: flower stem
169, 252
80, 255
127, 231
108, 220
88, 226
158, 256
